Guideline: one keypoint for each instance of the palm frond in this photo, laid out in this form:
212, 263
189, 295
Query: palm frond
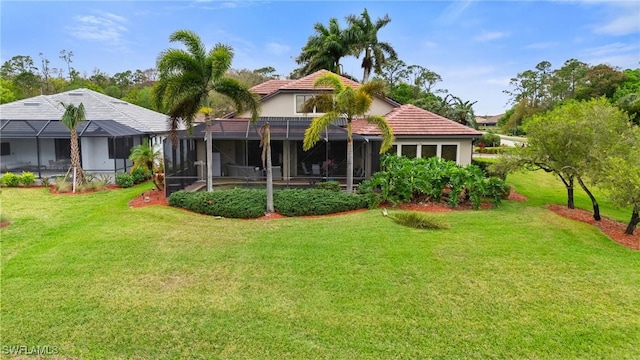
387, 132
242, 97
191, 40
221, 56
329, 80
314, 132
321, 103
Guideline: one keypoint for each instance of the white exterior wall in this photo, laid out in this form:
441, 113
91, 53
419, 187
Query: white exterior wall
22, 151
464, 150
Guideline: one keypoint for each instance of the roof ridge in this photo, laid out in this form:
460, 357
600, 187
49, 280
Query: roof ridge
99, 96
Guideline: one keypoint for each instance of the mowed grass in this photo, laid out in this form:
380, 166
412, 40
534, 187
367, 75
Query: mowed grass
96, 279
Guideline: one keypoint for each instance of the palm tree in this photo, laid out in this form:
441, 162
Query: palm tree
144, 156
349, 103
72, 117
324, 49
363, 33
188, 77
460, 111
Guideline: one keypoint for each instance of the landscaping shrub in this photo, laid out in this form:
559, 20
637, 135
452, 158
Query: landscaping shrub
233, 203
10, 179
45, 181
418, 220
486, 165
300, 202
61, 184
329, 185
27, 178
140, 174
489, 139
124, 180
496, 189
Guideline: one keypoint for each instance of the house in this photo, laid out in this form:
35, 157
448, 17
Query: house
33, 138
489, 121
236, 151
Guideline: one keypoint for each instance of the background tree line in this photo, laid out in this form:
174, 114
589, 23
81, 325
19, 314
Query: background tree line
541, 89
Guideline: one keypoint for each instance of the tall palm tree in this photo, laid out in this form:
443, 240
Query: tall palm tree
72, 117
187, 78
363, 33
349, 103
324, 49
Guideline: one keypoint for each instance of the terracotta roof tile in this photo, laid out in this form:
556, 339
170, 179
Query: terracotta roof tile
306, 83
408, 120
270, 86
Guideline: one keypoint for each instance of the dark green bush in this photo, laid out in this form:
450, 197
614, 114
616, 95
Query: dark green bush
233, 203
329, 185
124, 180
140, 174
418, 220
486, 165
489, 140
10, 179
496, 189
300, 202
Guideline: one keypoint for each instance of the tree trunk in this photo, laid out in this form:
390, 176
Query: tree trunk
75, 157
594, 202
270, 207
349, 159
209, 149
569, 185
635, 219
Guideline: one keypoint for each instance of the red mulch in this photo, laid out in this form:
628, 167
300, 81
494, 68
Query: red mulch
150, 197
4, 224
53, 190
613, 229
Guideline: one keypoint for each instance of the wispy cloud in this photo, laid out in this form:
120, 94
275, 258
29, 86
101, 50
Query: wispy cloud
453, 11
542, 45
614, 48
490, 35
620, 18
277, 49
430, 44
102, 27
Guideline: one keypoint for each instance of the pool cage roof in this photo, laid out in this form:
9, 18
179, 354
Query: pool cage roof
56, 129
282, 128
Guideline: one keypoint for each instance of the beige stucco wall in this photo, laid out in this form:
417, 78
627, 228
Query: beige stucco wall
465, 146
284, 105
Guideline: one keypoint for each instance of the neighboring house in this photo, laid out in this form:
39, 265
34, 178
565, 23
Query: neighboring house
490, 121
236, 151
33, 138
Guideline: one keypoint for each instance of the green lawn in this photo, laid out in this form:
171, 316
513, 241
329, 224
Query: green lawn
95, 279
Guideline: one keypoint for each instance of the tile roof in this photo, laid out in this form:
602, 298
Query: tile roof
270, 86
306, 83
97, 107
410, 120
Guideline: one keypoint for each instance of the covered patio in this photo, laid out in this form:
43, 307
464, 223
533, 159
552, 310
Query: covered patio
43, 146
237, 154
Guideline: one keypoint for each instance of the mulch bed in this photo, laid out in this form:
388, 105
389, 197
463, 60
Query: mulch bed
613, 229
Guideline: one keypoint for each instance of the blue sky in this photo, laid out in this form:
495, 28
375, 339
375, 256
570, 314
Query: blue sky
476, 46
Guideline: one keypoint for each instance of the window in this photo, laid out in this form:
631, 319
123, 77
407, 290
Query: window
5, 149
409, 151
393, 150
301, 99
429, 151
449, 152
123, 148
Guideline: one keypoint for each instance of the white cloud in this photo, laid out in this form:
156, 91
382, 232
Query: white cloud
614, 48
430, 44
277, 49
622, 18
453, 11
542, 45
490, 35
106, 27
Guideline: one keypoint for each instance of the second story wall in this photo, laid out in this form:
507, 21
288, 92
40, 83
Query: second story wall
284, 104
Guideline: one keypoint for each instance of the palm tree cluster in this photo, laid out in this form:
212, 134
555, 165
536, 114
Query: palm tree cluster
329, 44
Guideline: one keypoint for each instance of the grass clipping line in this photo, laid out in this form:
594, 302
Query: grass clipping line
417, 220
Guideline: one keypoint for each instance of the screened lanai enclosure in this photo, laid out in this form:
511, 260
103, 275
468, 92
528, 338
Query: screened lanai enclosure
43, 146
237, 158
